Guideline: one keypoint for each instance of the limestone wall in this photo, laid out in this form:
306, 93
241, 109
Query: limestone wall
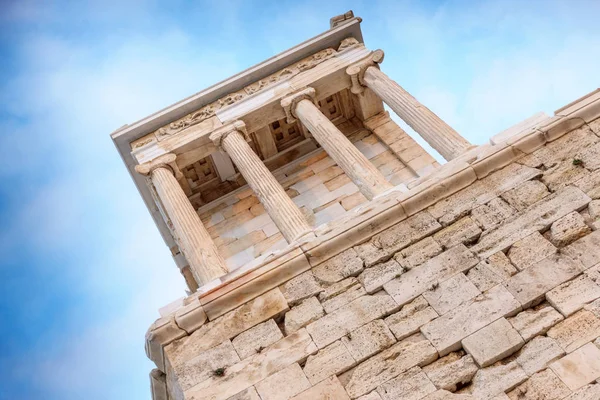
487, 292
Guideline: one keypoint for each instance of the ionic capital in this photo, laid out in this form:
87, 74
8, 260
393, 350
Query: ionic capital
221, 133
357, 71
290, 102
166, 161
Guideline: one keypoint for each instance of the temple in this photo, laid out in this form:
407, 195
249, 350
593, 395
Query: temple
327, 255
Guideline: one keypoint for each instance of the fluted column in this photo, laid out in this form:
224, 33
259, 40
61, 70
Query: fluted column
191, 236
449, 143
357, 167
285, 214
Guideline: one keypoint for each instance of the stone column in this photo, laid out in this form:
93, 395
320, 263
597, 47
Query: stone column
191, 236
357, 167
283, 211
449, 143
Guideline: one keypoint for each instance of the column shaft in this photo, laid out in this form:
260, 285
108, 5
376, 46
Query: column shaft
436, 132
190, 234
356, 166
285, 213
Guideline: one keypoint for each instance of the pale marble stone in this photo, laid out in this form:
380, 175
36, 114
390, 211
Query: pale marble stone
576, 330
495, 379
586, 249
283, 384
375, 277
530, 250
452, 370
544, 385
568, 229
525, 195
587, 392
298, 317
300, 287
580, 367
573, 295
410, 385
493, 342
538, 353
257, 338
369, 339
410, 318
446, 332
331, 360
451, 293
535, 321
462, 231
492, 214
342, 266
329, 389
418, 253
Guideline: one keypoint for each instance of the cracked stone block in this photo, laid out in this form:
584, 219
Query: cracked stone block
300, 287
418, 253
410, 318
283, 384
586, 249
580, 367
303, 314
369, 339
331, 360
342, 266
493, 342
496, 379
451, 371
525, 195
544, 385
568, 229
492, 214
410, 385
562, 174
530, 250
535, 321
576, 330
451, 293
257, 338
375, 277
464, 231
538, 354
573, 295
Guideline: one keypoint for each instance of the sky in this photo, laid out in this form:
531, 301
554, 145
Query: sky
83, 269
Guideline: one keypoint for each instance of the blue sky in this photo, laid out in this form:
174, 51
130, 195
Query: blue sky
83, 270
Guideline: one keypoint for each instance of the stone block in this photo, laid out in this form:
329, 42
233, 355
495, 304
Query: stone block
530, 285
594, 209
496, 379
371, 254
587, 392
526, 194
446, 332
465, 231
375, 277
349, 317
329, 389
331, 360
590, 184
410, 318
338, 288
483, 277
451, 371
562, 174
586, 249
371, 396
369, 339
255, 339
568, 229
161, 333
446, 395
191, 316
300, 287
451, 293
283, 384
158, 385
538, 353
492, 214
418, 253
578, 368
544, 385
342, 266
248, 394
576, 330
535, 321
413, 283
344, 298
536, 218
530, 250
298, 317
493, 342
410, 352
410, 385
573, 295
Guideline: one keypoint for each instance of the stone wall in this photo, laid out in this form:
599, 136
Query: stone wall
487, 292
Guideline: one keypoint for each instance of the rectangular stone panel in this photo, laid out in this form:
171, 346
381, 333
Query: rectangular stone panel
542, 385
452, 370
575, 331
410, 318
283, 384
538, 353
329, 389
493, 342
451, 293
497, 379
410, 385
579, 368
369, 339
573, 295
332, 360
535, 321
586, 249
257, 338
375, 277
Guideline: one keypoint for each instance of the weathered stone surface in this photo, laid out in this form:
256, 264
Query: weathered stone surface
564, 148
410, 318
580, 367
535, 321
283, 384
375, 277
446, 332
338, 288
416, 281
410, 385
410, 352
544, 385
369, 339
257, 338
590, 184
332, 360
191, 316
530, 285
594, 209
538, 353
562, 174
349, 317
492, 214
446, 395
530, 250
451, 293
568, 229
501, 265
450, 371
573, 295
536, 218
575, 331
483, 277
418, 253
371, 396
526, 194
353, 292
462, 231
586, 249
248, 394
493, 342
587, 392
298, 317
495, 379
329, 389
289, 350
344, 265
300, 287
